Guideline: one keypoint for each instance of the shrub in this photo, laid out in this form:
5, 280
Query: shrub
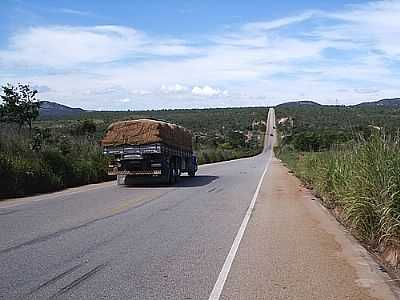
60, 165
55, 162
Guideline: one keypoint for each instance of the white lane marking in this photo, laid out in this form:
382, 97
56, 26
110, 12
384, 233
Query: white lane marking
223, 275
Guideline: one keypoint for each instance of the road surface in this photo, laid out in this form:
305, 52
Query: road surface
224, 234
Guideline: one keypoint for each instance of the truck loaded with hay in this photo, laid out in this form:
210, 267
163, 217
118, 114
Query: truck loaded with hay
144, 148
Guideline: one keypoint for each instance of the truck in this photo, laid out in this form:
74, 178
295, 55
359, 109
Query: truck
148, 150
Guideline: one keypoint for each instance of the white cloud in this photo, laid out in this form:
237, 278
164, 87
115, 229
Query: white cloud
206, 91
125, 100
140, 92
172, 89
279, 23
74, 12
366, 91
69, 47
374, 26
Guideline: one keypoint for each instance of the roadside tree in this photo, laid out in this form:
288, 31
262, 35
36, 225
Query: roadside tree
19, 105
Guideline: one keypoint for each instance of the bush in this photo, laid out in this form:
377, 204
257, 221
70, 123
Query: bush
59, 162
60, 165
26, 176
7, 177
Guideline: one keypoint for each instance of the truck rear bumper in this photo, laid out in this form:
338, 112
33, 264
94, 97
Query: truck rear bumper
145, 180
135, 173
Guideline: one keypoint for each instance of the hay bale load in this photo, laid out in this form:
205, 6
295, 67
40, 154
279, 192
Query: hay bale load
147, 131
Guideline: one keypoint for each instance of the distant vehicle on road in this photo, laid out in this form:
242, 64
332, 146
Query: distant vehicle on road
271, 134
144, 149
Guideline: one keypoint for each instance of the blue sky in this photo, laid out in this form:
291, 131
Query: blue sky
180, 54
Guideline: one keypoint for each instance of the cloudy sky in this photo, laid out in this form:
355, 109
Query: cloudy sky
126, 54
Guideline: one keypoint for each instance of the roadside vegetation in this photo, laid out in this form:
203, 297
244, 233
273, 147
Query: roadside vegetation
42, 155
354, 169
36, 160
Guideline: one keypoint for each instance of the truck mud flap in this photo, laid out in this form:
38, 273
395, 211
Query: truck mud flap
121, 179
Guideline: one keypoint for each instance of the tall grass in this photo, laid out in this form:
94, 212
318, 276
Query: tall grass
362, 181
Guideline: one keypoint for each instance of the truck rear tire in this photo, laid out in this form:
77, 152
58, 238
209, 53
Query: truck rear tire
178, 174
172, 176
171, 173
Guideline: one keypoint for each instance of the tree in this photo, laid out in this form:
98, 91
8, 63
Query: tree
20, 105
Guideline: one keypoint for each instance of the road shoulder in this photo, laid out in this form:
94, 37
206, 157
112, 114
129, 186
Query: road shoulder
294, 249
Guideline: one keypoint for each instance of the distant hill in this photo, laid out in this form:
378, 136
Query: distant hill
53, 109
299, 103
50, 109
394, 102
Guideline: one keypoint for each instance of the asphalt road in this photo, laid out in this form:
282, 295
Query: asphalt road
114, 242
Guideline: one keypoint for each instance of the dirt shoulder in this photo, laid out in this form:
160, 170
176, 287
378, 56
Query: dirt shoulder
294, 249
